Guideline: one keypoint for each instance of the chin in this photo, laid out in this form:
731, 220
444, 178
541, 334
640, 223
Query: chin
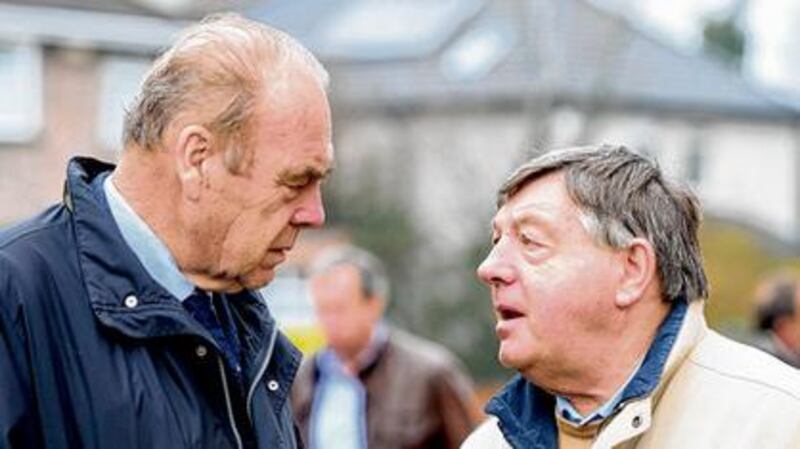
510, 358
257, 279
505, 361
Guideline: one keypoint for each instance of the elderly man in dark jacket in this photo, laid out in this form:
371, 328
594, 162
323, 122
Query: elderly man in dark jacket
127, 317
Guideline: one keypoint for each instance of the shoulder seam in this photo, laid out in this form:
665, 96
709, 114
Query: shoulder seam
790, 393
27, 233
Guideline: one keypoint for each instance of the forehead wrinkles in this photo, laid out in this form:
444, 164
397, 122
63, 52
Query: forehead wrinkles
535, 210
286, 118
548, 209
291, 105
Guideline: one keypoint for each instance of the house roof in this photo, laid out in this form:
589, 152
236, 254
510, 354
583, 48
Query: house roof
139, 26
108, 6
511, 51
176, 9
419, 52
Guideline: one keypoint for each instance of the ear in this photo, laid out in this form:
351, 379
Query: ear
638, 261
377, 306
785, 328
193, 147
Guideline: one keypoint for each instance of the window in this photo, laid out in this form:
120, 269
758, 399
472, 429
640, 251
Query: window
21, 78
479, 51
119, 83
386, 29
695, 160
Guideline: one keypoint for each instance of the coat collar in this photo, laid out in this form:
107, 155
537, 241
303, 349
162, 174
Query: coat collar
525, 412
121, 293
525, 415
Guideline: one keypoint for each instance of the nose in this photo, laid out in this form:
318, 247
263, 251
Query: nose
310, 212
496, 268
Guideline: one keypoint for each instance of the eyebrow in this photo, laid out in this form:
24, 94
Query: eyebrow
304, 174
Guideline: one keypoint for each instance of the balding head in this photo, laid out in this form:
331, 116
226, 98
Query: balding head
215, 75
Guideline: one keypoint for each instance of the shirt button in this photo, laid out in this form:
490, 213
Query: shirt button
636, 422
201, 351
131, 301
273, 385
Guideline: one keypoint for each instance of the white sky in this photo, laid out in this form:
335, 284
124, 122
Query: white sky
774, 43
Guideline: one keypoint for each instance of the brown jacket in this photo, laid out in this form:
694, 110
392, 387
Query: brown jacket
418, 396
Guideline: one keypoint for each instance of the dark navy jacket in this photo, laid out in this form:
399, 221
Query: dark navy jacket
95, 354
525, 411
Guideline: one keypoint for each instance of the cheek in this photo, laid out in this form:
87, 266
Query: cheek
242, 242
574, 295
252, 233
331, 327
555, 298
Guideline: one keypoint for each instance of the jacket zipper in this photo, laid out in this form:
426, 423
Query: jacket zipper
228, 404
260, 372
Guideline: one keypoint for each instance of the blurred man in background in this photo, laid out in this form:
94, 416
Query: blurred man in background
778, 318
127, 317
598, 287
373, 386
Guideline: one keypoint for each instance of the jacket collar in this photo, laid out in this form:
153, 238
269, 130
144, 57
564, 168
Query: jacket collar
691, 332
525, 415
526, 412
121, 294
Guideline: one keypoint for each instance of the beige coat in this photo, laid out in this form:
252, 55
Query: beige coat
714, 393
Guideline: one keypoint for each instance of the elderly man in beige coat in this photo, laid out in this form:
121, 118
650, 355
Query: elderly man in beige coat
598, 287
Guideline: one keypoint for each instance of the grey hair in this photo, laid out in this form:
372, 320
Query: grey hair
374, 280
622, 195
225, 61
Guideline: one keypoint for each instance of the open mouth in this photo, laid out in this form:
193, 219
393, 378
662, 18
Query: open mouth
508, 313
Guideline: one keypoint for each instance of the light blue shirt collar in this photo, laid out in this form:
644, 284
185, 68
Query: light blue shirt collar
148, 248
565, 409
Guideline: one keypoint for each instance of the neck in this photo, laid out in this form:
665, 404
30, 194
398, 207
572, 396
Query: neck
354, 360
351, 367
599, 374
351, 362
786, 341
603, 385
152, 191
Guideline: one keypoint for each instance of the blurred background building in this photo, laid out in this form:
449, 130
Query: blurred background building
434, 103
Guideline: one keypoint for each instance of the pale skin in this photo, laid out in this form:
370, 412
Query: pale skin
787, 328
226, 231
347, 317
573, 316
